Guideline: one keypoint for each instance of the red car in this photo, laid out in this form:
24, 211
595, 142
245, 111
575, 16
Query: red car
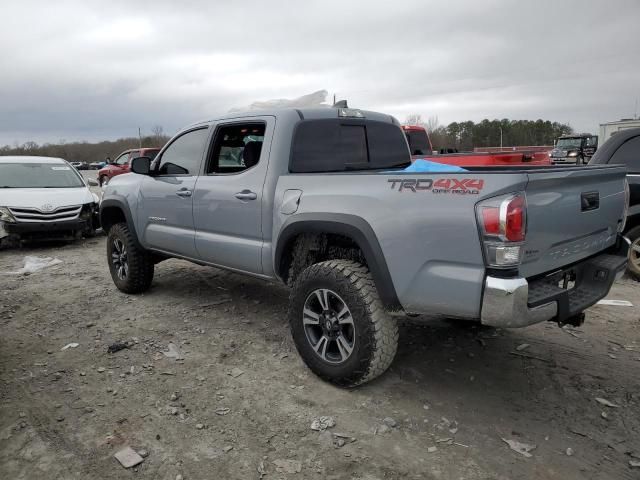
122, 164
420, 145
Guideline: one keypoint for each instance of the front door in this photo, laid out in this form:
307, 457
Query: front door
165, 204
227, 208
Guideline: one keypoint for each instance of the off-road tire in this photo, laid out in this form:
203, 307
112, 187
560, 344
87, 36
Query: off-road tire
140, 261
634, 269
376, 332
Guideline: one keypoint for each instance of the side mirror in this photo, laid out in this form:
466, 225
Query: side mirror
141, 165
92, 182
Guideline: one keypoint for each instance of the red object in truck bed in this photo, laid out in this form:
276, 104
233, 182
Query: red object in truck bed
470, 159
420, 146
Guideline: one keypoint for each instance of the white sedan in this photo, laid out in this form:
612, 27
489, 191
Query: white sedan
44, 197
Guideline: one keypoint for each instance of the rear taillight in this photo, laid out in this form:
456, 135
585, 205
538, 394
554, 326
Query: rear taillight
503, 224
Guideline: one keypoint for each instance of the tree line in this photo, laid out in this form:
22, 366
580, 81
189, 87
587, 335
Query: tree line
85, 151
466, 136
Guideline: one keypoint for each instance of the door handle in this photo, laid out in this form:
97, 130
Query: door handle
246, 195
184, 193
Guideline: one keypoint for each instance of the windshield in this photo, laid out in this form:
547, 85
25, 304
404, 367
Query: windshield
38, 175
569, 143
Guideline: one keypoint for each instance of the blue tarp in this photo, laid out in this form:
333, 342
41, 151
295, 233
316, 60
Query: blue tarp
422, 165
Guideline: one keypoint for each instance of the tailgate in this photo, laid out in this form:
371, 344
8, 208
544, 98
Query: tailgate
571, 214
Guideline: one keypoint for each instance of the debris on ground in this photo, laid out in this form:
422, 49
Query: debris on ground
520, 447
322, 423
235, 372
390, 422
260, 469
432, 449
615, 303
522, 346
227, 449
173, 352
34, 264
70, 345
569, 452
634, 463
287, 466
220, 299
606, 403
382, 429
128, 457
222, 411
117, 346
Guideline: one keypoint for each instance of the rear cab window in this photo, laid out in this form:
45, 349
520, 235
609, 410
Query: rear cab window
336, 145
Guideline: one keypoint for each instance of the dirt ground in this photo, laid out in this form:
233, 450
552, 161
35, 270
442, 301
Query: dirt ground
240, 404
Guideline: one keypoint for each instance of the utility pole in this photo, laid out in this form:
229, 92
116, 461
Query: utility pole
500, 137
139, 138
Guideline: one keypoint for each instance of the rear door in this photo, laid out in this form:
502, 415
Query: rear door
571, 215
165, 206
228, 198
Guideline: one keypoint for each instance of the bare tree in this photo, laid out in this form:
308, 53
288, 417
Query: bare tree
157, 131
414, 119
432, 124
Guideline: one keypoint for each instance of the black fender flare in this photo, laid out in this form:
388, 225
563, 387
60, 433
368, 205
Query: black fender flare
350, 226
121, 204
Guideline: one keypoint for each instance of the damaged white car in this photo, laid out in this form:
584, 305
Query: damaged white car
44, 198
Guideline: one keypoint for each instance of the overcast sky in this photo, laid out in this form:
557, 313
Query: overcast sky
90, 70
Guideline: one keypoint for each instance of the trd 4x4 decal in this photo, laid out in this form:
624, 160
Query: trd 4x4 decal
464, 186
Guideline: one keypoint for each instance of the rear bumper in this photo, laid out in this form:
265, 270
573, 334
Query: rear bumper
518, 302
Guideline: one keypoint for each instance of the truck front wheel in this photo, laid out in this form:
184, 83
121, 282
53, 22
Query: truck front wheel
130, 265
339, 325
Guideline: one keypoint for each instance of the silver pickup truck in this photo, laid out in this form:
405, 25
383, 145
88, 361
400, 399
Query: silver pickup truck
319, 199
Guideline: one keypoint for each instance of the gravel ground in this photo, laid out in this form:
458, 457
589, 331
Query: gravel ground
240, 402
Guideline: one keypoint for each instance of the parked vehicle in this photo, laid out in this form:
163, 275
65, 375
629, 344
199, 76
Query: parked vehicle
122, 164
623, 148
574, 149
43, 197
79, 165
318, 199
420, 147
97, 165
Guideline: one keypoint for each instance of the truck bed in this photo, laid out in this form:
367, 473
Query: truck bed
426, 223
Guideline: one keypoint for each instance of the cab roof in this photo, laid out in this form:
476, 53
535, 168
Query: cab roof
314, 113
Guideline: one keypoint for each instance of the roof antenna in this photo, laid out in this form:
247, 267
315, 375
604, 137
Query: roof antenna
341, 104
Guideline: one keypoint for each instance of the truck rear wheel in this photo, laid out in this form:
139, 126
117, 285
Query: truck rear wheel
633, 267
339, 325
130, 265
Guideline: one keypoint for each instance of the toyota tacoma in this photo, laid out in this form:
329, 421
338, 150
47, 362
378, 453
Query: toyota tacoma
318, 199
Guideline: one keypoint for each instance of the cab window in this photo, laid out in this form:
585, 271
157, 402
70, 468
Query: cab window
236, 148
184, 155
